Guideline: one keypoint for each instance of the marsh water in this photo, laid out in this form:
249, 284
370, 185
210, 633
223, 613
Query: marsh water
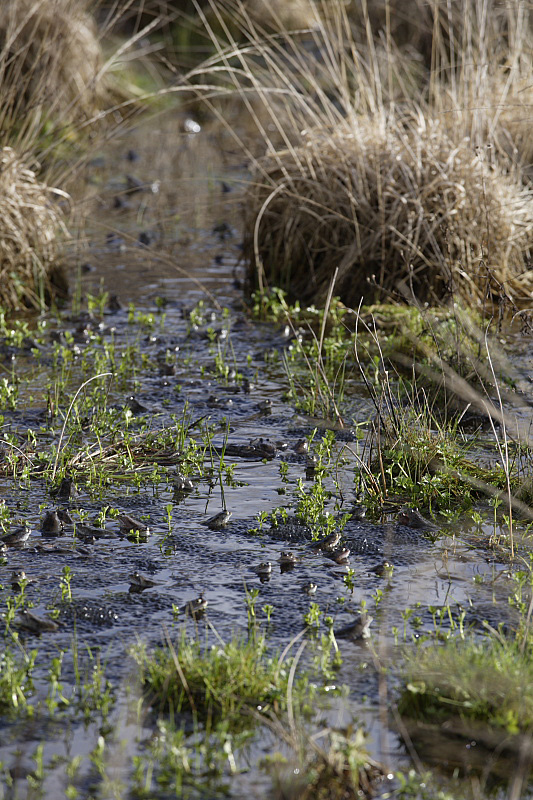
164, 235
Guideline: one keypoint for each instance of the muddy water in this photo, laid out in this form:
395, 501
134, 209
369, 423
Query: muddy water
154, 216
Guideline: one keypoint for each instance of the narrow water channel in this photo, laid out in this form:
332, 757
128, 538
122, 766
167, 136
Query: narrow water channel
164, 237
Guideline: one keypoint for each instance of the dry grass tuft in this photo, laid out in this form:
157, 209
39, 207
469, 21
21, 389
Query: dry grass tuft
29, 223
53, 86
398, 207
50, 58
409, 180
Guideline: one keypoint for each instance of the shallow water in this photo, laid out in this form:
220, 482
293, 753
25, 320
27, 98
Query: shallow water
184, 556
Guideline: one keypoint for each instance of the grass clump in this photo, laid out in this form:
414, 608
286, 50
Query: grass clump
50, 62
222, 681
398, 206
233, 691
228, 688
403, 179
486, 680
334, 766
412, 458
30, 221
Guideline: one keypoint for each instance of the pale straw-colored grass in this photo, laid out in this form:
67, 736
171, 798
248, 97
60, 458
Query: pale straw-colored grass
30, 221
409, 182
50, 60
399, 207
54, 88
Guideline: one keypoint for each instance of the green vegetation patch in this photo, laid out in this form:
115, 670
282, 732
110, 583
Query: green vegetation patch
223, 680
16, 680
488, 680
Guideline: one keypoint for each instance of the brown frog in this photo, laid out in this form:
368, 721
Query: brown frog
358, 629
340, 556
17, 537
131, 525
329, 542
35, 624
412, 518
218, 521
195, 608
139, 582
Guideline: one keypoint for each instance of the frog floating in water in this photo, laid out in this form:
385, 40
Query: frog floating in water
130, 525
138, 582
264, 569
301, 448
182, 483
256, 450
16, 538
340, 556
34, 624
412, 518
19, 580
358, 629
287, 559
329, 542
383, 570
51, 524
218, 521
89, 533
195, 608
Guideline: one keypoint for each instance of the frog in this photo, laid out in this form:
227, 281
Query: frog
218, 521
358, 629
139, 582
35, 624
412, 518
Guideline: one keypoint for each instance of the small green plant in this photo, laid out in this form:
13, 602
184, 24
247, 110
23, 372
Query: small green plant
349, 579
56, 696
16, 680
312, 617
169, 508
65, 584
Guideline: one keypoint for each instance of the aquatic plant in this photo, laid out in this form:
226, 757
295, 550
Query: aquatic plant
332, 766
16, 686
